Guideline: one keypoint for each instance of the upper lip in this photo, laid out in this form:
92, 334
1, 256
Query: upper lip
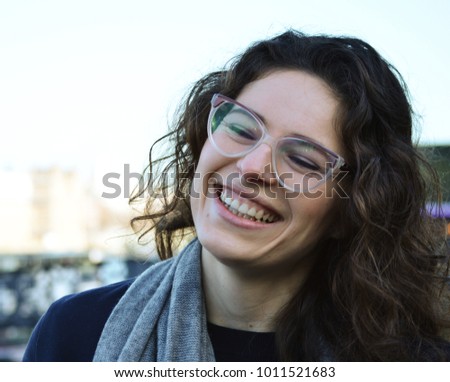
244, 193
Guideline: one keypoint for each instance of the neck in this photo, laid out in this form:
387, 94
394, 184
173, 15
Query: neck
246, 299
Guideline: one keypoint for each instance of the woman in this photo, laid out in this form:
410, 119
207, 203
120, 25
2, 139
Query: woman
297, 171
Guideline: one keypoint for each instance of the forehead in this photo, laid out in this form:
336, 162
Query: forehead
295, 102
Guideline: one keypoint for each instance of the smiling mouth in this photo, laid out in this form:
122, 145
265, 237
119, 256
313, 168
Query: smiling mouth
242, 209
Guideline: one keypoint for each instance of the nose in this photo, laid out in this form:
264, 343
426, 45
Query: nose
257, 165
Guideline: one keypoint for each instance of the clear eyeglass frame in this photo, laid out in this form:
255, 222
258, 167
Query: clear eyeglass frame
335, 162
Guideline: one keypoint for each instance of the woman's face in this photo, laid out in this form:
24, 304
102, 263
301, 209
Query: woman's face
290, 102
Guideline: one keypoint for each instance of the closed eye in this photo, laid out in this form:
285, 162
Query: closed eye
302, 163
240, 132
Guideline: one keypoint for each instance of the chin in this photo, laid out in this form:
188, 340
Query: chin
225, 251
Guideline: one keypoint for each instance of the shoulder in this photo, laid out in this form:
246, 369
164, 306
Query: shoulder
444, 347
103, 299
70, 329
433, 351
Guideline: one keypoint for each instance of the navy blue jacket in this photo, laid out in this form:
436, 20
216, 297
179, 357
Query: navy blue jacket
72, 326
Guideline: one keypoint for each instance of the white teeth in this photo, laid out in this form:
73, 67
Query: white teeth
235, 205
244, 211
259, 215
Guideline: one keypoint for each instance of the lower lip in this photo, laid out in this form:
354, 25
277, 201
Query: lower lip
238, 221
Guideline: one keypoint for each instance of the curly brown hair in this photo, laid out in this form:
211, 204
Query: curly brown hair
374, 295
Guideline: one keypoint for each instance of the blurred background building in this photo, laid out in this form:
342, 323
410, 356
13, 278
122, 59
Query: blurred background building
46, 210
57, 237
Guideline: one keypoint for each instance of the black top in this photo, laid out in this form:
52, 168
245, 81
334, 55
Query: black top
232, 345
71, 329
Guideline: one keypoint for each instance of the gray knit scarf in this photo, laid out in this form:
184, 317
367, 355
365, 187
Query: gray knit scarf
162, 316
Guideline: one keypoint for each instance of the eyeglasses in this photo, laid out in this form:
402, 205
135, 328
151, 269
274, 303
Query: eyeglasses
300, 164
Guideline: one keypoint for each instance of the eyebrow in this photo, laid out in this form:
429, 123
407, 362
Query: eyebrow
263, 120
246, 108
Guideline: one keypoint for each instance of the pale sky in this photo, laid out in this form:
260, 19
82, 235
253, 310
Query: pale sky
90, 84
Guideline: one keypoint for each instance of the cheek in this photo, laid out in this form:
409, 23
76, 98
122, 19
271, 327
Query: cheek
209, 163
194, 200
209, 159
200, 176
314, 215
